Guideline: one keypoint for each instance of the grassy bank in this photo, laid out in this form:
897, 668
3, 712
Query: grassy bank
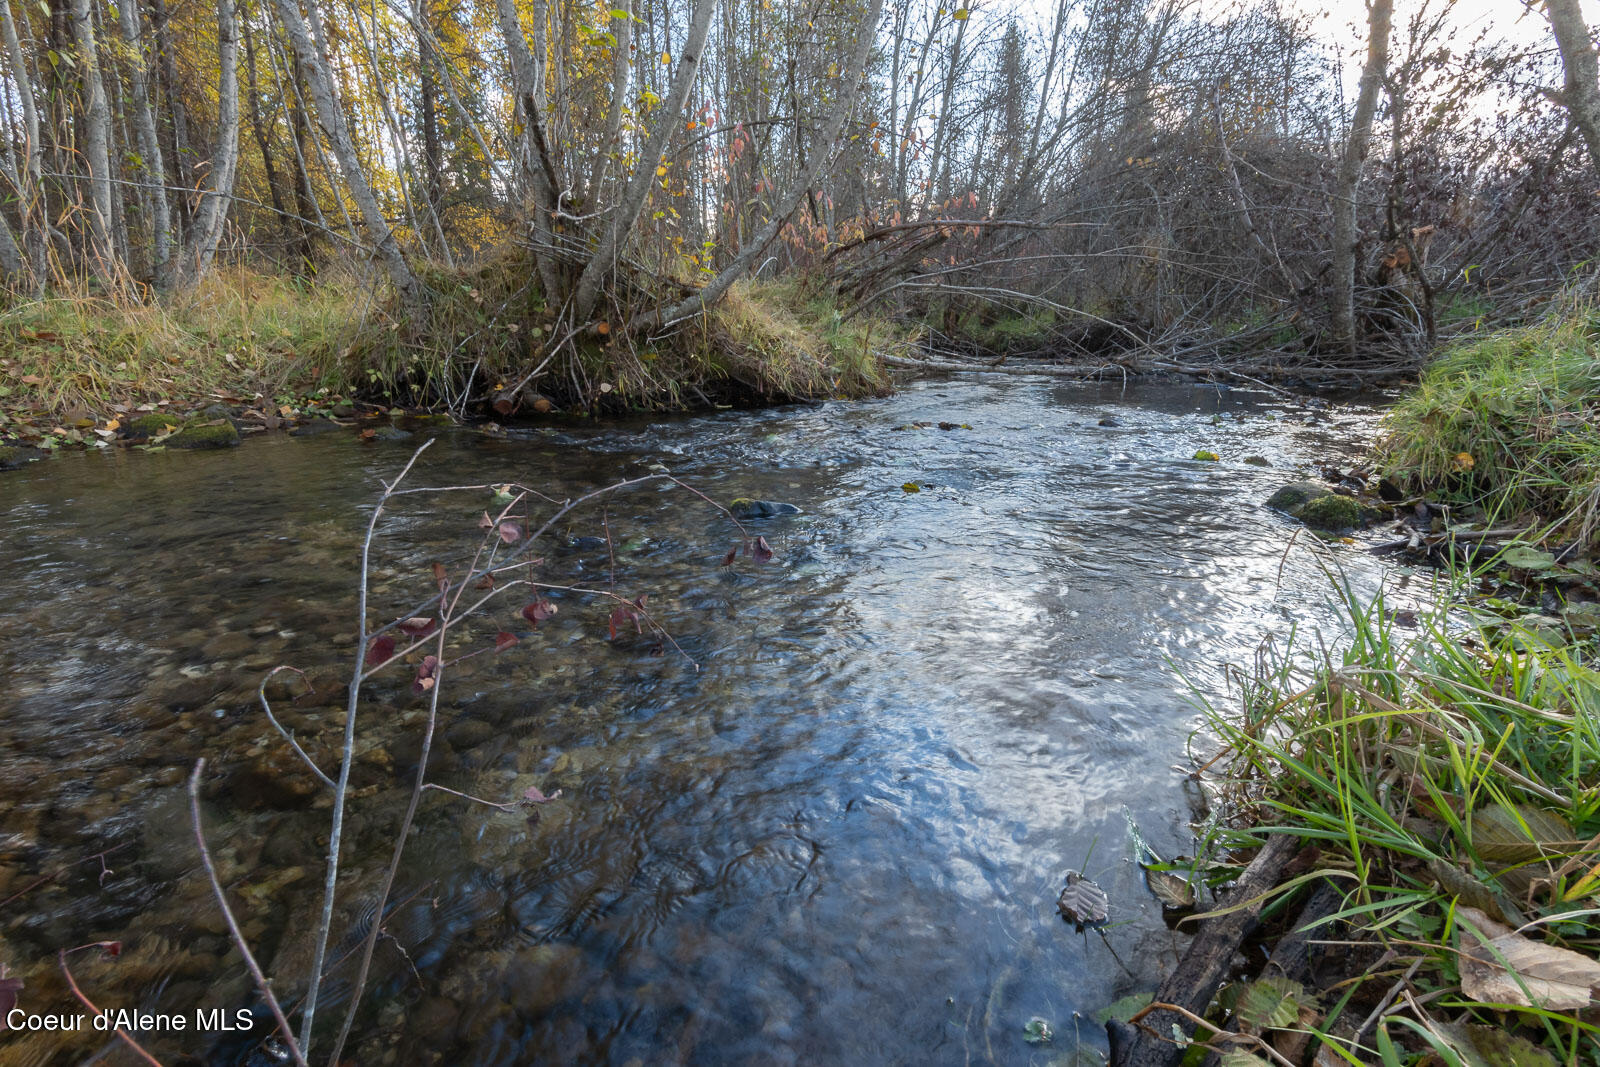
1446, 780
1509, 424
270, 343
489, 326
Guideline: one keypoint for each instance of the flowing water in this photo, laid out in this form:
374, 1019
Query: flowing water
828, 825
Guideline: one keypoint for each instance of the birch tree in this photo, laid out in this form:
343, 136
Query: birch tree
212, 214
1379, 16
1581, 93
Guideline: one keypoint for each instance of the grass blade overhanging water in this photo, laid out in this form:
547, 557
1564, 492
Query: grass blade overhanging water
1451, 775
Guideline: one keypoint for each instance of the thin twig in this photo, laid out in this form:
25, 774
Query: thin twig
233, 924
138, 1049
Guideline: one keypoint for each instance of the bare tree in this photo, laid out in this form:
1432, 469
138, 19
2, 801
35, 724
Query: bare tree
310, 56
1379, 15
1581, 94
96, 144
212, 214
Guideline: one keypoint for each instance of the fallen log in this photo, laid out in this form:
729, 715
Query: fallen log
1207, 962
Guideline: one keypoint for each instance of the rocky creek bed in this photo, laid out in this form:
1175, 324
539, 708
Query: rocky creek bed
832, 830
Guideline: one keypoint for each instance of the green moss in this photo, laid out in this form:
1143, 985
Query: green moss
1207, 455
151, 425
1329, 512
1292, 496
10, 456
205, 435
1505, 422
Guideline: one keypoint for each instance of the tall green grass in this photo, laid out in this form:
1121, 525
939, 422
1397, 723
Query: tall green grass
1437, 768
1510, 422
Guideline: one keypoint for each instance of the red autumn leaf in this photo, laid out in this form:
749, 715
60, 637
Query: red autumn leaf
426, 671
535, 796
441, 576
113, 949
380, 651
486, 582
762, 552
510, 533
485, 522
624, 613
504, 640
419, 626
538, 611
733, 554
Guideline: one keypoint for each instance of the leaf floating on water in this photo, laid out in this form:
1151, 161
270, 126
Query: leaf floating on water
1037, 1032
534, 795
1083, 903
762, 552
1171, 888
733, 554
1500, 966
380, 651
504, 640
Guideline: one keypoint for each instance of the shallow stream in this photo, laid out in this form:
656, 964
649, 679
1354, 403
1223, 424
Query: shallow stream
830, 829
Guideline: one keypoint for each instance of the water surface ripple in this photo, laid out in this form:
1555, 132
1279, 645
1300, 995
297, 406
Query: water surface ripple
839, 840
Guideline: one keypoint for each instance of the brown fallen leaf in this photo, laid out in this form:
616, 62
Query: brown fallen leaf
1500, 966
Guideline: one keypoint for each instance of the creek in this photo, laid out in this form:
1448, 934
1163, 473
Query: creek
830, 829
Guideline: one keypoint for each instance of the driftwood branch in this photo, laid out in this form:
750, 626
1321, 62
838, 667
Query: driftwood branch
1203, 967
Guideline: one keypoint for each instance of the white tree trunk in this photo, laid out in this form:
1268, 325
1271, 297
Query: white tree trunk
1379, 15
152, 168
544, 179
330, 117
212, 214
821, 152
587, 292
96, 143
1581, 94
29, 176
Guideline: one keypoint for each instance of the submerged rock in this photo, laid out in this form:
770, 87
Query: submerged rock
12, 456
314, 427
1293, 495
745, 508
1258, 461
1330, 512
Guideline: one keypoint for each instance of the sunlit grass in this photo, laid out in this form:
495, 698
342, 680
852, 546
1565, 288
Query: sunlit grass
1510, 422
1435, 768
240, 334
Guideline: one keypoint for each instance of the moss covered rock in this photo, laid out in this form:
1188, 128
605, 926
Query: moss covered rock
220, 434
1295, 494
11, 456
152, 425
1329, 512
